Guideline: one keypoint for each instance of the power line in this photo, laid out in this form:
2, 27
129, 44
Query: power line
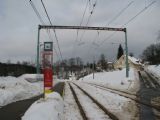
112, 20
43, 23
93, 43
46, 12
36, 11
139, 13
88, 20
53, 29
130, 20
88, 1
49, 35
120, 13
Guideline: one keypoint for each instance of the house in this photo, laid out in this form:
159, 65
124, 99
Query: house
133, 62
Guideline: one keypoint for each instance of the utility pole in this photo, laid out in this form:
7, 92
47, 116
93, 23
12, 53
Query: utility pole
126, 47
38, 45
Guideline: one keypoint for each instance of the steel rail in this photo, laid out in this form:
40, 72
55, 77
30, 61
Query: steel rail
111, 115
136, 100
82, 112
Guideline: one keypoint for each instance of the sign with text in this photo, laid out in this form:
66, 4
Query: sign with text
47, 67
48, 46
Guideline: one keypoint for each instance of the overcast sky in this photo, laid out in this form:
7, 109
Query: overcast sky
19, 23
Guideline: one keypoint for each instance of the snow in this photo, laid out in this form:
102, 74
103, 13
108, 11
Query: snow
13, 89
71, 111
92, 110
38, 77
116, 104
114, 79
50, 108
32, 77
53, 107
154, 69
134, 60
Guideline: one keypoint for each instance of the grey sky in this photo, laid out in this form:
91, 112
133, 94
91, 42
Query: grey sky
18, 27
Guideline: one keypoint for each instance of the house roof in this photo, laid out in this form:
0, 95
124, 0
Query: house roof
132, 59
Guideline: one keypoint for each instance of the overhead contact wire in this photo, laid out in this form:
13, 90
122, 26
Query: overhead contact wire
53, 29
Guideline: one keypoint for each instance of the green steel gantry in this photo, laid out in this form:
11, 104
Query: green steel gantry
83, 28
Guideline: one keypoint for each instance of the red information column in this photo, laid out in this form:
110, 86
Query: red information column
47, 67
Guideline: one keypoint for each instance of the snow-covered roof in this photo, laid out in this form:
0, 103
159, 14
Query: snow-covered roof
134, 60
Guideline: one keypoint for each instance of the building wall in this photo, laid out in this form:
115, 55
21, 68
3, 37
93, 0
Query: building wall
121, 64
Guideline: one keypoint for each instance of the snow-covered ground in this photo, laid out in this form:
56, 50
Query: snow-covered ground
13, 89
115, 79
71, 111
54, 108
32, 77
50, 108
116, 104
155, 69
123, 108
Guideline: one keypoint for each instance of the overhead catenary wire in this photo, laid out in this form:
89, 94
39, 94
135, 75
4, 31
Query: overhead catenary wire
43, 23
88, 20
130, 20
53, 29
119, 13
49, 35
111, 21
88, 1
36, 11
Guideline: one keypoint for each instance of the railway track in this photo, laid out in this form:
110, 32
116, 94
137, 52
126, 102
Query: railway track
126, 95
148, 80
113, 90
103, 112
153, 78
152, 75
149, 92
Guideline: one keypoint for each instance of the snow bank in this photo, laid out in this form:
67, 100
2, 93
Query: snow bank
13, 89
35, 78
114, 79
32, 77
50, 108
154, 69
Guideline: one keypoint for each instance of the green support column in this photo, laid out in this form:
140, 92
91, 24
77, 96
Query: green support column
126, 47
38, 66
